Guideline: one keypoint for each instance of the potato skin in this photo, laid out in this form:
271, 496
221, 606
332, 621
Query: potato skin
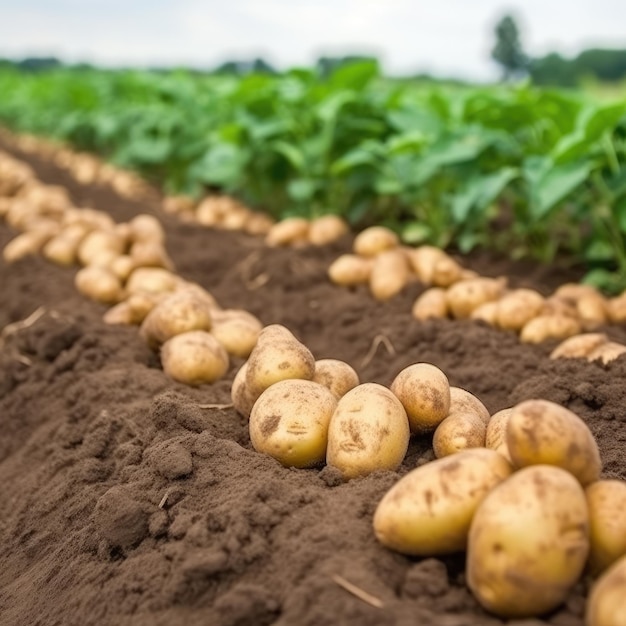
579, 346
374, 240
466, 296
424, 391
349, 270
336, 375
243, 401
495, 437
368, 431
463, 401
542, 432
237, 330
545, 327
429, 511
606, 606
459, 431
606, 500
390, 274
517, 308
528, 542
289, 421
327, 229
431, 304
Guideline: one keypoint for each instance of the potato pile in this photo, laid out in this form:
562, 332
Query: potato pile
528, 501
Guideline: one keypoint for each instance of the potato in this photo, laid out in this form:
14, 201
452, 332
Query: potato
152, 280
194, 358
616, 309
518, 307
150, 254
133, 310
258, 224
177, 313
462, 401
25, 244
122, 266
592, 310
390, 274
288, 231
579, 346
540, 432
457, 432
467, 295
423, 260
327, 229
495, 437
545, 327
97, 242
277, 356
559, 306
236, 330
374, 240
336, 375
178, 204
606, 606
574, 291
528, 542
289, 421
431, 304
210, 211
424, 391
429, 511
200, 292
349, 270
99, 284
607, 352
487, 312
120, 314
446, 272
236, 218
243, 401
606, 500
368, 431
61, 249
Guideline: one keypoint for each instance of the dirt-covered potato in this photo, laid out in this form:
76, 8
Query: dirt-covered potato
424, 391
326, 229
390, 274
487, 312
518, 307
99, 284
467, 295
368, 431
336, 375
606, 500
579, 346
462, 401
423, 260
176, 313
429, 511
446, 272
431, 304
606, 606
457, 432
495, 437
152, 280
542, 432
289, 421
545, 327
349, 270
528, 542
237, 330
194, 358
374, 240
243, 401
289, 231
607, 352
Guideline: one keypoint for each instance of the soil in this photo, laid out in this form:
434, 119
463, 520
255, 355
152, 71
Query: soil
126, 503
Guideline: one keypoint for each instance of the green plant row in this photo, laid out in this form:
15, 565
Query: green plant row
531, 171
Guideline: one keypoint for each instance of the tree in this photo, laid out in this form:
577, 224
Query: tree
508, 50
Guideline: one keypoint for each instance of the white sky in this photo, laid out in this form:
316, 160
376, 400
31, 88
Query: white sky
448, 37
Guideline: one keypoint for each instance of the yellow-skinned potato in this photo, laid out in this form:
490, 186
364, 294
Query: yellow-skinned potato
487, 312
606, 500
607, 352
122, 266
374, 240
540, 432
559, 306
152, 280
177, 313
528, 542
236, 218
462, 401
99, 284
147, 228
200, 293
429, 511
336, 375
368, 431
431, 304
574, 291
423, 260
446, 272
592, 310
349, 270
243, 401
606, 606
288, 232
545, 327
467, 295
178, 204
579, 346
236, 330
289, 421
100, 241
258, 224
120, 314
390, 274
495, 437
616, 309
146, 253
194, 358
424, 391
25, 244
457, 432
326, 229
517, 308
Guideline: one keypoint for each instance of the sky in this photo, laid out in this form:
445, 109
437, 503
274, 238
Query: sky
446, 37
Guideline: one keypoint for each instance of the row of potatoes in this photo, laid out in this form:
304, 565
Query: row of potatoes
127, 267
519, 490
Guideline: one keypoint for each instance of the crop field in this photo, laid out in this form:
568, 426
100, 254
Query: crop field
341, 351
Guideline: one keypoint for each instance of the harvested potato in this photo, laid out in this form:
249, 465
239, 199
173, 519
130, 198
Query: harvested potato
200, 293
177, 313
120, 314
326, 229
178, 204
61, 249
243, 401
462, 401
349, 270
289, 421
152, 280
25, 244
99, 284
288, 232
545, 327
431, 304
616, 309
97, 242
540, 432
258, 224
559, 306
424, 391
236, 218
368, 431
336, 375
194, 358
457, 432
429, 511
606, 500
146, 253
607, 352
446, 272
528, 542
592, 310
518, 307
390, 274
574, 291
495, 437
236, 330
487, 312
467, 295
579, 346
374, 240
606, 606
122, 266
423, 260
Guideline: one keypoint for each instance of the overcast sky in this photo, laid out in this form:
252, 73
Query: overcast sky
448, 37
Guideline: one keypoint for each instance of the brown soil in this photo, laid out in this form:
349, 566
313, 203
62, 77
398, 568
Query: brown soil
123, 502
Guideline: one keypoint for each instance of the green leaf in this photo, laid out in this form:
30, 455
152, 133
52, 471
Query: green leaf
416, 233
301, 189
355, 75
223, 165
292, 154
